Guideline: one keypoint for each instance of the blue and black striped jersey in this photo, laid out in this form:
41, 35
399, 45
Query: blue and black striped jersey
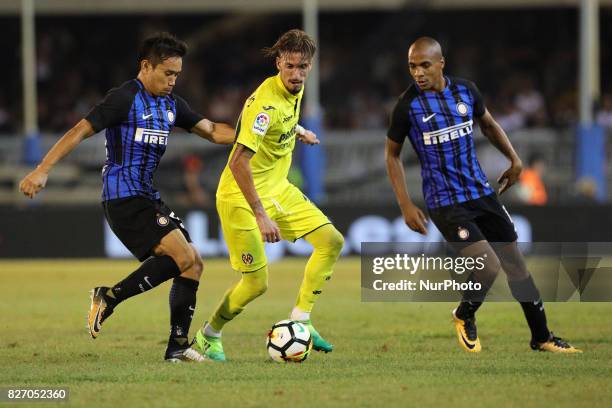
138, 127
439, 126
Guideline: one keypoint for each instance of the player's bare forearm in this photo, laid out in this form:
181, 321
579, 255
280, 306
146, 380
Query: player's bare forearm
413, 216
219, 133
395, 170
66, 144
498, 138
496, 135
241, 169
223, 134
36, 180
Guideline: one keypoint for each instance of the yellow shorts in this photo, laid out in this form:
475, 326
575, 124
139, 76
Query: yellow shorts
292, 211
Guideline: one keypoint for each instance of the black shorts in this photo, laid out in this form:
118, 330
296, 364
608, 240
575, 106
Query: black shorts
141, 223
476, 220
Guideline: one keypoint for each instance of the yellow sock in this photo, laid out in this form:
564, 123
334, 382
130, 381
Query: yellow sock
250, 286
327, 243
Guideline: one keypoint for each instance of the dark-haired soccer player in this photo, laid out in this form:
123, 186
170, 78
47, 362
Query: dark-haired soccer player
138, 117
256, 202
437, 115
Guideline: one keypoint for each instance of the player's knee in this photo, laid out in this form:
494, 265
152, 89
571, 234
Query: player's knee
328, 239
198, 266
492, 266
257, 281
185, 261
256, 287
513, 264
336, 241
259, 288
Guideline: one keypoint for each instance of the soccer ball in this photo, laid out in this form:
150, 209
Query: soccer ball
289, 341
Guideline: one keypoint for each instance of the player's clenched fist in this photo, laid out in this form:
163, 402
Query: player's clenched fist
268, 228
33, 183
415, 219
308, 137
510, 176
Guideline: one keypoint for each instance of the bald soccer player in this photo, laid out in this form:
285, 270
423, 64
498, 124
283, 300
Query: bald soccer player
437, 115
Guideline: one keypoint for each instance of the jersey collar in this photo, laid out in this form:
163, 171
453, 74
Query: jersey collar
447, 83
142, 87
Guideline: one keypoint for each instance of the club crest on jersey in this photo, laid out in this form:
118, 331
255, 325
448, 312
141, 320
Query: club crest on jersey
463, 233
170, 115
261, 123
462, 109
447, 134
162, 220
247, 259
152, 136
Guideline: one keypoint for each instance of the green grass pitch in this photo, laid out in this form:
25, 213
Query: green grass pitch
387, 354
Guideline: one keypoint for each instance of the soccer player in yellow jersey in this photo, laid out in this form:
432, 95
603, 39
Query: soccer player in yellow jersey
256, 202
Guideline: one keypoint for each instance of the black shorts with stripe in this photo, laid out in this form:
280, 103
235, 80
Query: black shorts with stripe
140, 223
476, 220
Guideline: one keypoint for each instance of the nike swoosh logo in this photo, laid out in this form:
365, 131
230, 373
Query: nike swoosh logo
467, 344
146, 279
147, 116
97, 321
192, 308
426, 119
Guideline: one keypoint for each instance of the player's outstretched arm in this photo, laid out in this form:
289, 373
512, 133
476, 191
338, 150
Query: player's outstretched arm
219, 133
413, 216
37, 178
498, 138
241, 169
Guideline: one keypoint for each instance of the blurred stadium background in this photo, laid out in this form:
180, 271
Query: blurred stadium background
536, 62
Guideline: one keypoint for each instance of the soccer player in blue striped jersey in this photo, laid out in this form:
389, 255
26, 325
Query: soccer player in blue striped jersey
139, 117
437, 114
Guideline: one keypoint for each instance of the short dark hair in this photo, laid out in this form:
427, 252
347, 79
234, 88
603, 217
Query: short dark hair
292, 41
160, 47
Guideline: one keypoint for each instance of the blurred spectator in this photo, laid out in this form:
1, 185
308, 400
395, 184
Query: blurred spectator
586, 191
530, 102
533, 191
509, 117
195, 195
361, 71
564, 109
604, 116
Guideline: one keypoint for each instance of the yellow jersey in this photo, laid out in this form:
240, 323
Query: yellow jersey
267, 127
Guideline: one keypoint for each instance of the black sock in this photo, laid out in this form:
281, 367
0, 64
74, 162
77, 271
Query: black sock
472, 299
182, 307
150, 274
467, 309
528, 295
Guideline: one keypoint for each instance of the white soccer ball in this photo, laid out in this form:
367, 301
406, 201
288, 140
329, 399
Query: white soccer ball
289, 341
